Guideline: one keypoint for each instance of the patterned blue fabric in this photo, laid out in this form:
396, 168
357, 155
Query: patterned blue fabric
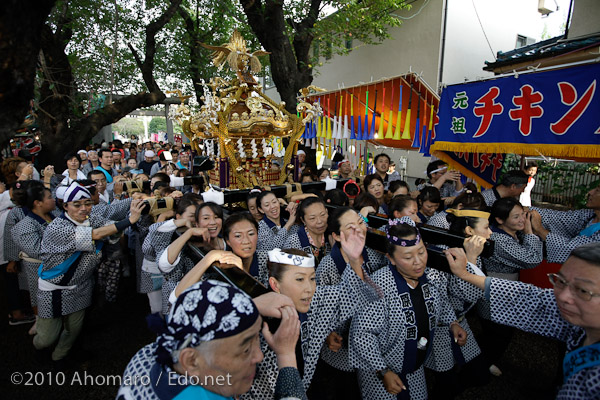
205, 311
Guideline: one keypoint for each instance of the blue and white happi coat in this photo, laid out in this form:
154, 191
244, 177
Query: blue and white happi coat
330, 272
300, 241
512, 255
533, 309
384, 334
27, 235
62, 238
567, 231
462, 296
270, 236
160, 238
329, 307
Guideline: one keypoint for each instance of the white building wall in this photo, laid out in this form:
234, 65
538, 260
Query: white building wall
466, 47
416, 45
585, 18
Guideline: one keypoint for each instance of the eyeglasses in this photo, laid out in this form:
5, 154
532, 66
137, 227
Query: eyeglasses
560, 283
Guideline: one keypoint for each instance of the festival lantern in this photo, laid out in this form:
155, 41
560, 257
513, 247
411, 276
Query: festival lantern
380, 132
389, 134
399, 117
406, 133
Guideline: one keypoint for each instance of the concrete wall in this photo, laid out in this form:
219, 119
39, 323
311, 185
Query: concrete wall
585, 18
103, 134
466, 47
416, 45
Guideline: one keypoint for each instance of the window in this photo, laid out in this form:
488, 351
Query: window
523, 41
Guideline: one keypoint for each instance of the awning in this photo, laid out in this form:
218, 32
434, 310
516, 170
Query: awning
394, 112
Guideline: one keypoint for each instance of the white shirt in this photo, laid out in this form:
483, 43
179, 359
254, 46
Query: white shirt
525, 197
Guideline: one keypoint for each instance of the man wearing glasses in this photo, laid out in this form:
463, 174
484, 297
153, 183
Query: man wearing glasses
101, 186
570, 313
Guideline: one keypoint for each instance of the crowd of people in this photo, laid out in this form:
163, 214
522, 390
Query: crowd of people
340, 320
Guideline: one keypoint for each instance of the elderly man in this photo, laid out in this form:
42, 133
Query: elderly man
184, 160
570, 313
92, 162
301, 161
565, 230
209, 348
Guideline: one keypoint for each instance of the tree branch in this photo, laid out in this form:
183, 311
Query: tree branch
136, 56
256, 19
147, 66
311, 17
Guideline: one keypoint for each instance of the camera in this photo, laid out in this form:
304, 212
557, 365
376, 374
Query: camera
202, 163
157, 205
136, 186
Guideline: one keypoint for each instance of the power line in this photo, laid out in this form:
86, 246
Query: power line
483, 30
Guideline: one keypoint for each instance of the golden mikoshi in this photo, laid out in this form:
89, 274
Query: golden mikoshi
238, 115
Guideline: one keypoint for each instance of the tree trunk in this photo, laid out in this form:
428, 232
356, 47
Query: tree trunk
195, 52
289, 59
21, 23
63, 122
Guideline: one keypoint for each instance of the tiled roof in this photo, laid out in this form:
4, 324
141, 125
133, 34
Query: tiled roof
544, 49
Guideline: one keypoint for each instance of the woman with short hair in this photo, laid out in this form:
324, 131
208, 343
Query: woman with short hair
311, 236
390, 338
